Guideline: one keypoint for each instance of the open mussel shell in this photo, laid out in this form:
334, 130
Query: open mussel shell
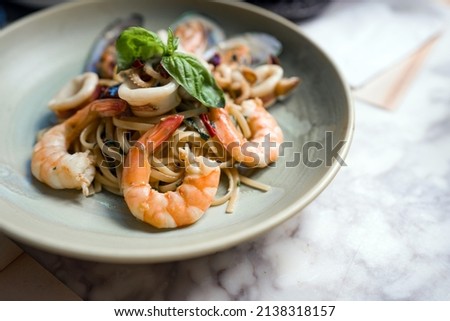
197, 33
260, 48
102, 56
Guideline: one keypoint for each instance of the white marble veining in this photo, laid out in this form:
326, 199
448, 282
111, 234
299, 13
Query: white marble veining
380, 231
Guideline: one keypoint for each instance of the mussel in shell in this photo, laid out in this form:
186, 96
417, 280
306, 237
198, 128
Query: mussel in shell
197, 33
102, 57
251, 49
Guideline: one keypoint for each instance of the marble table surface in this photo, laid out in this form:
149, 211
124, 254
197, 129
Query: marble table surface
380, 231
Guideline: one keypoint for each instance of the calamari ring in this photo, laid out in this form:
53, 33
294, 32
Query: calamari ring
76, 92
161, 99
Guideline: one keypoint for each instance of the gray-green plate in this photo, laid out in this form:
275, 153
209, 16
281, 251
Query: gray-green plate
43, 51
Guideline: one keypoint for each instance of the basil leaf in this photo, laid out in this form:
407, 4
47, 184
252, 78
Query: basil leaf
137, 43
172, 42
194, 78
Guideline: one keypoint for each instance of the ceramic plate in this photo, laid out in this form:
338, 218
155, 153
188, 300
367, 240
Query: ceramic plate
42, 52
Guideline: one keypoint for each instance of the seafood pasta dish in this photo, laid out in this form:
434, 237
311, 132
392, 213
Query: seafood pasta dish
162, 118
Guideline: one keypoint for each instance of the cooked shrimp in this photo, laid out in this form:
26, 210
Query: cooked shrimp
262, 146
52, 164
181, 207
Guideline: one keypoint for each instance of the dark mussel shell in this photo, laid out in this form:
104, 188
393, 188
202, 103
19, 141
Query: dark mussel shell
102, 56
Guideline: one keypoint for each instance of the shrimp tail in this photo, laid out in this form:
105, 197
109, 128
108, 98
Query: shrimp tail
110, 107
98, 108
161, 132
148, 142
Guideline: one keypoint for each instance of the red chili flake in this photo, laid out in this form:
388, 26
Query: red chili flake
209, 127
138, 64
162, 71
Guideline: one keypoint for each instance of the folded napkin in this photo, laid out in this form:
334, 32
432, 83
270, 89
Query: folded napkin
366, 38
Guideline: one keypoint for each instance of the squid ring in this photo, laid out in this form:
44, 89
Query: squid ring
77, 91
159, 99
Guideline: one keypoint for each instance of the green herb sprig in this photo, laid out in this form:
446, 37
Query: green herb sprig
137, 43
